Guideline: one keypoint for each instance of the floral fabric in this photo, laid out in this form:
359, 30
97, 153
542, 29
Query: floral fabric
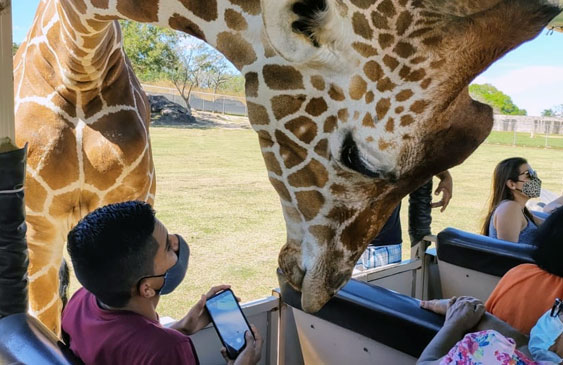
486, 348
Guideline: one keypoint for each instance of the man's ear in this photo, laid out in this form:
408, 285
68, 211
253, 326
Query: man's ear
145, 290
308, 31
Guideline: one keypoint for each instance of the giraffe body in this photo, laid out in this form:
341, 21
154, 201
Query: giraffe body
355, 102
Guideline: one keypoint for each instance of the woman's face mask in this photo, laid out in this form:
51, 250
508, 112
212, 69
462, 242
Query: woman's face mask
543, 336
531, 187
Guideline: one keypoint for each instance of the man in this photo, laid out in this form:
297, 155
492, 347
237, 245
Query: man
125, 259
386, 247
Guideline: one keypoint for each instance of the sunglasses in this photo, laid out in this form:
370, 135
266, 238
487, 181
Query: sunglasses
530, 173
557, 307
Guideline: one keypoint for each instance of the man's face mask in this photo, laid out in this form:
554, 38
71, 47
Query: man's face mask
531, 187
174, 276
544, 334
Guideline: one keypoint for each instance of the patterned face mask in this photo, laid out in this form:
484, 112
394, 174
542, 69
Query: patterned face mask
531, 187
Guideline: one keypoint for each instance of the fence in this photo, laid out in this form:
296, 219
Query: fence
208, 102
527, 131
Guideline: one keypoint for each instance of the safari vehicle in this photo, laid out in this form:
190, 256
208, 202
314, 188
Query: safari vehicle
375, 318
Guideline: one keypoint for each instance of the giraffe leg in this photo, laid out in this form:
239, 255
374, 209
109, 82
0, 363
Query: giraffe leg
45, 256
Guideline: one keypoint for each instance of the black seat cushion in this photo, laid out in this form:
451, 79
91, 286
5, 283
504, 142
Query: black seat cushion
390, 318
481, 253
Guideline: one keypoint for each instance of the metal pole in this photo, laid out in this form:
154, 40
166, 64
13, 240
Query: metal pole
514, 129
546, 129
7, 126
223, 105
203, 100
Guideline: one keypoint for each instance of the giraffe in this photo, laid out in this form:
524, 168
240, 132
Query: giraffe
355, 103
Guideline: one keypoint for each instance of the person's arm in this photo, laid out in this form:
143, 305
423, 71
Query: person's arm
508, 221
490, 322
553, 205
446, 188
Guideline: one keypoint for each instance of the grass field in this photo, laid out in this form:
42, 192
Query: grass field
213, 189
525, 140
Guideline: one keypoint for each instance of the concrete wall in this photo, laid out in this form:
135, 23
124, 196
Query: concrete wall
528, 124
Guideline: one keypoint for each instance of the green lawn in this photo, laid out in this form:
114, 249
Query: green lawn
524, 139
213, 189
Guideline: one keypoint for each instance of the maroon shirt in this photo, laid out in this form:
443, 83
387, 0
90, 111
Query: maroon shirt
99, 336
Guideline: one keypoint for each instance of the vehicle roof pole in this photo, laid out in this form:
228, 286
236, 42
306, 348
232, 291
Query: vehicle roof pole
7, 127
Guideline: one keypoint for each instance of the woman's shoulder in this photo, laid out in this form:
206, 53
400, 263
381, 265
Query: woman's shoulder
508, 207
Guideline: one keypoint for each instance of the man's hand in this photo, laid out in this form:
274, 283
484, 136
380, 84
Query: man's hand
197, 317
251, 353
464, 313
446, 187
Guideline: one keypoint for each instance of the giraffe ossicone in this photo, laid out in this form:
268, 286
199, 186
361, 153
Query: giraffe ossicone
355, 102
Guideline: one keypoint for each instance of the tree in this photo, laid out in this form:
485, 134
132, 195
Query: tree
151, 49
15, 48
548, 113
499, 101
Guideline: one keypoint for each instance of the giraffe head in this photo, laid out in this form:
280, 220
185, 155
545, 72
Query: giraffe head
358, 102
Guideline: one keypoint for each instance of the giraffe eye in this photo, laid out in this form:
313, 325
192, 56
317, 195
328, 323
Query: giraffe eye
350, 157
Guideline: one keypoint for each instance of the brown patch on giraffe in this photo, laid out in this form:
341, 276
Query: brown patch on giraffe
418, 106
404, 71
89, 200
291, 153
322, 234
379, 21
204, 9
269, 51
432, 41
272, 163
251, 84
64, 204
72, 22
387, 8
390, 125
185, 25
257, 114
100, 4
399, 109
383, 145
361, 26
336, 93
102, 166
426, 83
373, 71
316, 107
369, 97
265, 139
367, 121
311, 175
66, 102
419, 32
357, 88
282, 77
330, 124
43, 287
93, 107
418, 60
38, 225
80, 5
147, 13
292, 213
341, 213
235, 20
39, 194
382, 108
404, 49
284, 105
390, 62
364, 49
321, 148
251, 7
337, 189
404, 95
309, 203
318, 82
363, 4
406, 120
236, 49
437, 64
385, 85
385, 40
343, 115
281, 189
369, 139
416, 75
135, 185
403, 22
303, 128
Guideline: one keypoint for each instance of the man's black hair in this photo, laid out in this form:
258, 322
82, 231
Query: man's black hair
549, 239
112, 248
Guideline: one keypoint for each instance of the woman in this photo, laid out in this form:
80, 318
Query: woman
514, 183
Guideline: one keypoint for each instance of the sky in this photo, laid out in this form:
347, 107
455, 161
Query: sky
532, 75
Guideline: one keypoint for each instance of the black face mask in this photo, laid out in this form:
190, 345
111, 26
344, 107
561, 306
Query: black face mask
174, 276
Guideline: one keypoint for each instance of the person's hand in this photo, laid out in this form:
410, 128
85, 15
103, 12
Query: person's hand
251, 353
197, 317
439, 306
446, 188
464, 313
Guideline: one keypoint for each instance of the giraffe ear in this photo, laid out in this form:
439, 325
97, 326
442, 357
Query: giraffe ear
305, 31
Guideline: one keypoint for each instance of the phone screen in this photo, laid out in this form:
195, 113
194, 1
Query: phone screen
228, 320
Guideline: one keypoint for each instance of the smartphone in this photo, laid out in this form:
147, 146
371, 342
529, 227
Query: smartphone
229, 321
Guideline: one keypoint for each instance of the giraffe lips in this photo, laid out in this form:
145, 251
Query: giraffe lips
319, 286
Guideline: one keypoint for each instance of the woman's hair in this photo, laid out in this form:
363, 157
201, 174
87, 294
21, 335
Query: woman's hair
549, 239
508, 169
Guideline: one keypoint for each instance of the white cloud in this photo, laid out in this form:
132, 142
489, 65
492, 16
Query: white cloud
533, 88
